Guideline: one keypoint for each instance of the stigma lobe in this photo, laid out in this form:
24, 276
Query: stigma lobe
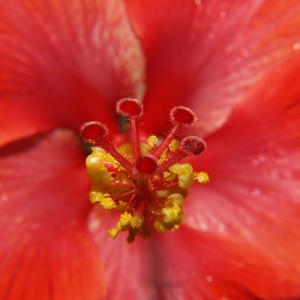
129, 108
92, 131
146, 164
193, 145
183, 116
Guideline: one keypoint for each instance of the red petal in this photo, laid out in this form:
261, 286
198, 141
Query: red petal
46, 251
194, 265
168, 266
253, 197
128, 267
188, 264
64, 63
208, 54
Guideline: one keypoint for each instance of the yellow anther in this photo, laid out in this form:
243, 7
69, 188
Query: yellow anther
175, 227
172, 213
176, 198
96, 169
124, 221
94, 164
169, 176
126, 150
185, 180
164, 156
103, 155
95, 196
104, 199
202, 177
162, 193
137, 221
108, 203
185, 174
181, 168
121, 205
174, 145
123, 178
113, 232
145, 148
159, 226
152, 140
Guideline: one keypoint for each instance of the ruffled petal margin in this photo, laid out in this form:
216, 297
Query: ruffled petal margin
64, 63
46, 251
208, 55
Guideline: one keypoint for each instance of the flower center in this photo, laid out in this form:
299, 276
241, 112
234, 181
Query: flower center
145, 180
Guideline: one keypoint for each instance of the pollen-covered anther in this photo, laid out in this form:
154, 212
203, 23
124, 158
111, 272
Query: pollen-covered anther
92, 132
130, 108
146, 164
127, 221
172, 214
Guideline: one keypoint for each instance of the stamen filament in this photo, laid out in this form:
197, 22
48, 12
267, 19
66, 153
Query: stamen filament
123, 195
191, 145
111, 149
133, 110
177, 156
161, 148
123, 185
134, 134
180, 116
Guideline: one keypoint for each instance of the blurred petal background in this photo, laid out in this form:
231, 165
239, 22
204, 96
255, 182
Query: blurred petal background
235, 64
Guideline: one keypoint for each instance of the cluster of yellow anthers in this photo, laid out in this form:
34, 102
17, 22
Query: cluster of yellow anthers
143, 180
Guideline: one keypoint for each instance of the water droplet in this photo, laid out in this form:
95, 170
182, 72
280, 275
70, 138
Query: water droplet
209, 278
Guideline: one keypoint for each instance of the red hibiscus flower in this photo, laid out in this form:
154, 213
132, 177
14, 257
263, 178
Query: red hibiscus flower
235, 64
